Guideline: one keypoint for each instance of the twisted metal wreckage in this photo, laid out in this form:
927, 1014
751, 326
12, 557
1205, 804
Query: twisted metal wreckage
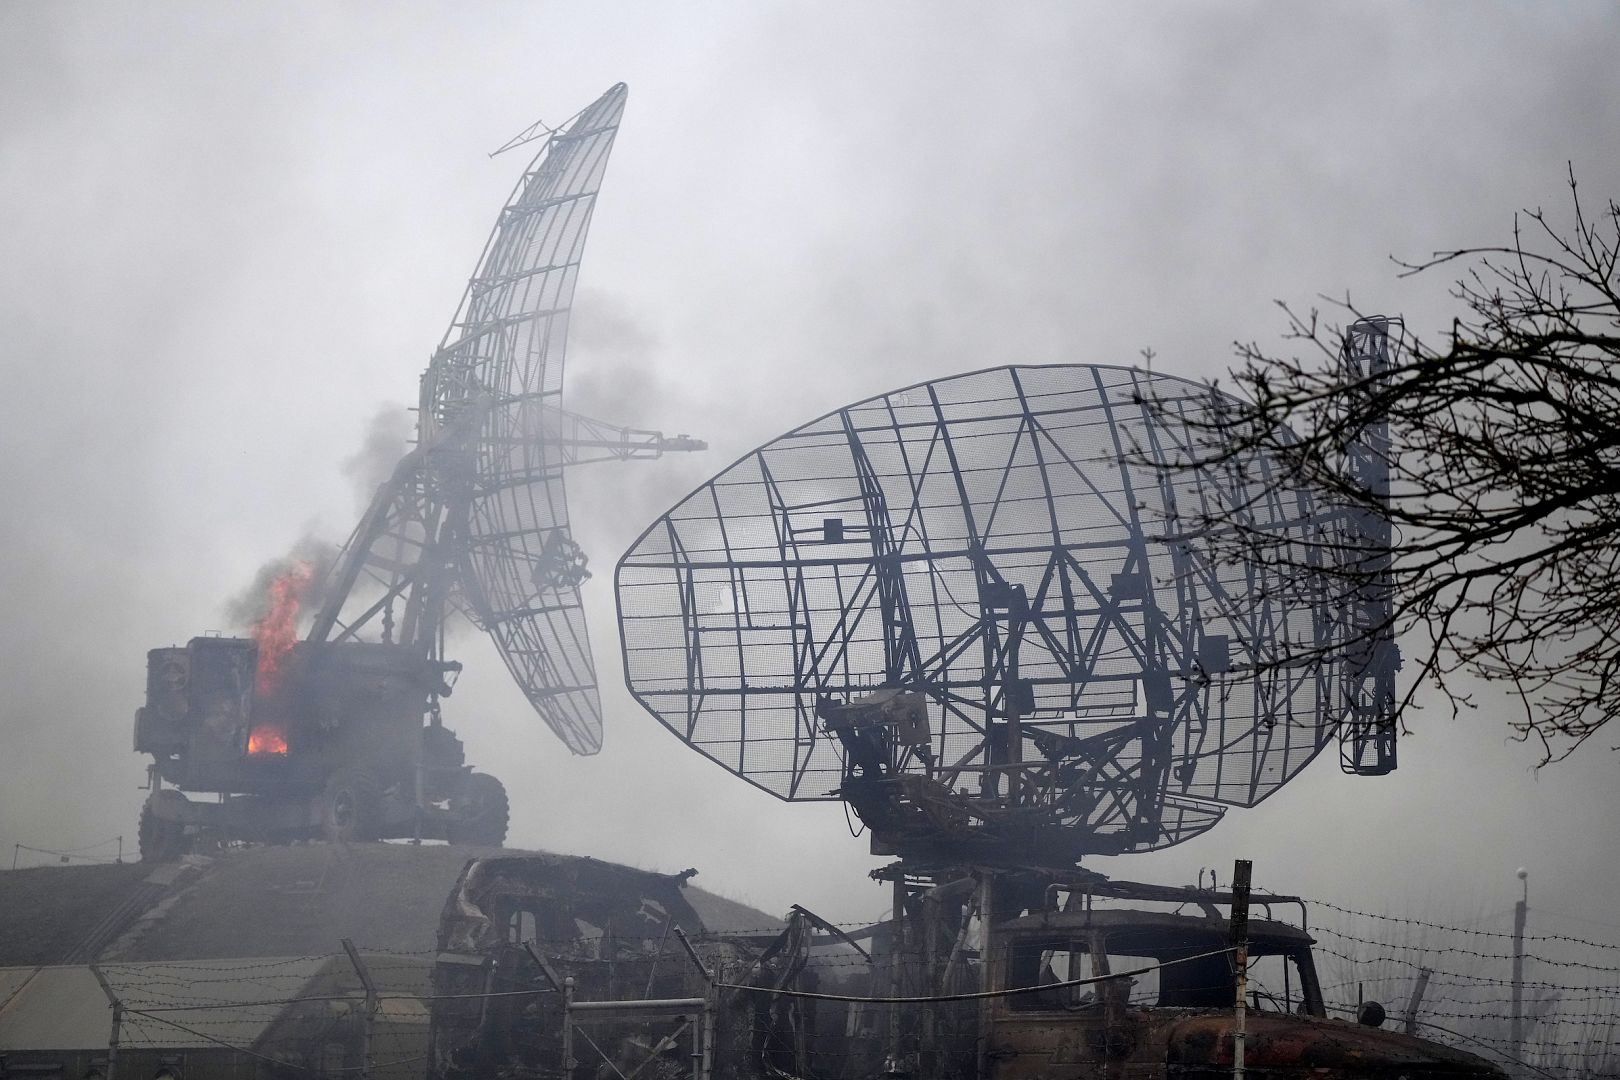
555, 966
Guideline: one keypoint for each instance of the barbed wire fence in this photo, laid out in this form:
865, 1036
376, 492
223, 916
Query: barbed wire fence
110, 850
302, 1014
312, 1016
1453, 982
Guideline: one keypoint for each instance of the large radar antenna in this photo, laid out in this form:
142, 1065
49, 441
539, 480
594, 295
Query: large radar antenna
966, 608
342, 733
476, 515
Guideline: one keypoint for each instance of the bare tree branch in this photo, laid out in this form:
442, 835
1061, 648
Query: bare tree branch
1503, 475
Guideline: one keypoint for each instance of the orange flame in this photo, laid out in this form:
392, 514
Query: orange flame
267, 739
277, 631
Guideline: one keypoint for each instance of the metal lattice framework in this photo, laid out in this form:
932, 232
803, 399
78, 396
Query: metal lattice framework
1367, 745
998, 547
476, 514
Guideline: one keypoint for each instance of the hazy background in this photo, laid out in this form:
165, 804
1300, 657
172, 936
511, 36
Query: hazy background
232, 235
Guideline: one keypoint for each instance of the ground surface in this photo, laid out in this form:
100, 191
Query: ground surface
46, 911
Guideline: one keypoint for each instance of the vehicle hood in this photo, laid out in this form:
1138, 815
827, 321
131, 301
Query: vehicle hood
1295, 1041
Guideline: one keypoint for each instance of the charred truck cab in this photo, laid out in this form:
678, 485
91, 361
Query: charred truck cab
524, 936
330, 739
1176, 1019
1068, 975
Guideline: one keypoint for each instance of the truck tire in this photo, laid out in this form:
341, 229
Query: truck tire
160, 840
351, 809
480, 812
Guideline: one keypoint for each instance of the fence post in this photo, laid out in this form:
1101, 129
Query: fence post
370, 1007
1520, 910
117, 1021
706, 1062
1241, 869
568, 1026
1416, 1000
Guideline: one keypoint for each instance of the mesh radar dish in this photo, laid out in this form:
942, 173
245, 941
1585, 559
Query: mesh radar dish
477, 513
963, 608
502, 359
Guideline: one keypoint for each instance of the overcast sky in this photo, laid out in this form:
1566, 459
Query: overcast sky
232, 234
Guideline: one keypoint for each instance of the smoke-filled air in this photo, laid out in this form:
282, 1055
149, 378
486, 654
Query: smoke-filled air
1079, 533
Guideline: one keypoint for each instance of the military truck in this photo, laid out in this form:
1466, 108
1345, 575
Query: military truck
1177, 1018
344, 743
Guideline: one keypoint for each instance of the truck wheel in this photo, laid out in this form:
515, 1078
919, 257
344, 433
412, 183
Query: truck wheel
480, 812
160, 840
352, 806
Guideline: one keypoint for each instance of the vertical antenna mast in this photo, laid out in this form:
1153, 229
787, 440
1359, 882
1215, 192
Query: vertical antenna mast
1367, 733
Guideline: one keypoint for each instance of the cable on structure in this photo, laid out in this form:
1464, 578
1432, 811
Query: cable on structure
1566, 938
979, 995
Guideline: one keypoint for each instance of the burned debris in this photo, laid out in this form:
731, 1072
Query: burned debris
565, 967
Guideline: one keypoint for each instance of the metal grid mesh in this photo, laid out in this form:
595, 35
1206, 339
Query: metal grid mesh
874, 547
504, 350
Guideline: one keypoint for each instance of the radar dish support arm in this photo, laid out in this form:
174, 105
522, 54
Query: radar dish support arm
1155, 746
1002, 744
902, 659
580, 440
414, 495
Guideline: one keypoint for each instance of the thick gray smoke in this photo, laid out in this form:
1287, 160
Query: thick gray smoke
387, 438
619, 371
614, 374
252, 603
385, 441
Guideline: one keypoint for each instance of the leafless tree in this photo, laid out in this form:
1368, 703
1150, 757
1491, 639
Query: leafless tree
1500, 559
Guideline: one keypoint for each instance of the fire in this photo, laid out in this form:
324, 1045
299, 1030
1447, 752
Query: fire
277, 631
267, 739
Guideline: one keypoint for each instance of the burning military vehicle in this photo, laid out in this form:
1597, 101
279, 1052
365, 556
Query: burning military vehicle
303, 739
